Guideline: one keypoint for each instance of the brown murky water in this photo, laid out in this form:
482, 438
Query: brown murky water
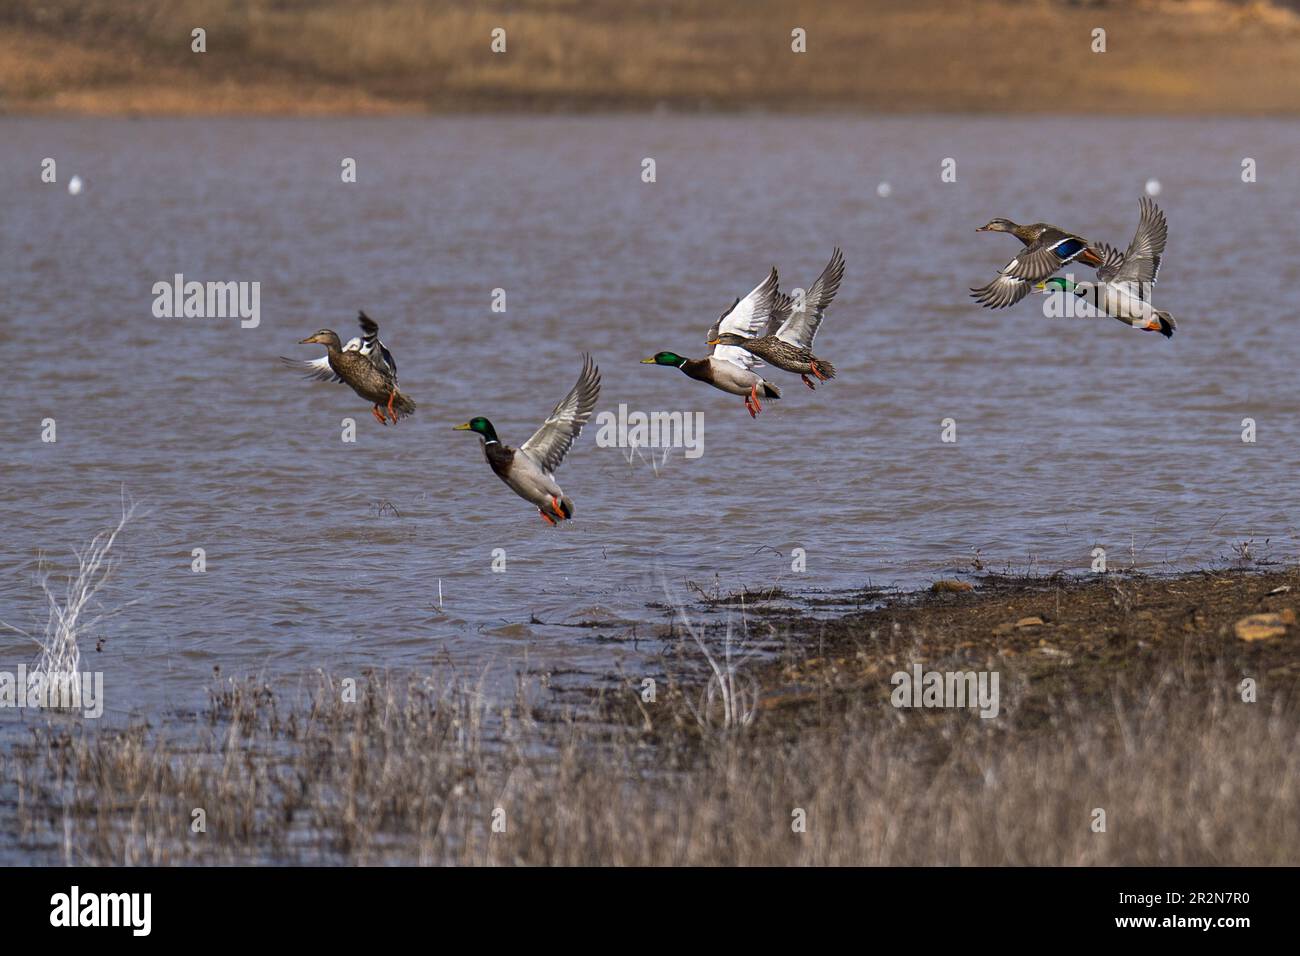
1071, 433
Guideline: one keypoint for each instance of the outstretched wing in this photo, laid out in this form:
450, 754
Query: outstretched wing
801, 327
1035, 264
782, 308
1111, 261
374, 349
1001, 292
749, 316
1141, 263
737, 356
715, 328
552, 441
319, 369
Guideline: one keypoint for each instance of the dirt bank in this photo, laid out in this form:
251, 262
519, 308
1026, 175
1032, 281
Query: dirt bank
1085, 634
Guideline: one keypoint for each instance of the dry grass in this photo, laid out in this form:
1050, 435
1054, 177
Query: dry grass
1118, 692
367, 56
78, 612
413, 772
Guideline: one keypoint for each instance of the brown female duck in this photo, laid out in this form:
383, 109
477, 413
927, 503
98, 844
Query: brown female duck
1047, 248
365, 365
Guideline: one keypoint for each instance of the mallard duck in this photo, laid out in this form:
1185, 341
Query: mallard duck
365, 364
787, 341
529, 470
319, 368
1048, 248
729, 367
1124, 281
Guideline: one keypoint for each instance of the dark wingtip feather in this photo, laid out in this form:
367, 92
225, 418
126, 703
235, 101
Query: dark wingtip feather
990, 297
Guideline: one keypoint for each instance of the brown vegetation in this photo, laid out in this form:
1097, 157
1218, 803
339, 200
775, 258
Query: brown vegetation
375, 56
1122, 694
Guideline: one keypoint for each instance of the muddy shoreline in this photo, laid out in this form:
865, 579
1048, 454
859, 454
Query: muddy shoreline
1052, 639
1056, 631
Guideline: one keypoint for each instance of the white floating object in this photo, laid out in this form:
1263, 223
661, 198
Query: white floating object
883, 190
74, 185
1153, 187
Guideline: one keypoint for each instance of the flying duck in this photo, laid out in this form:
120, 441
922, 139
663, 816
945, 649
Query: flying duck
787, 340
365, 364
1047, 248
1124, 281
729, 367
529, 470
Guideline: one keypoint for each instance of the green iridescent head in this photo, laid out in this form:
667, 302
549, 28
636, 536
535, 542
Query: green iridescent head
480, 425
664, 358
1057, 284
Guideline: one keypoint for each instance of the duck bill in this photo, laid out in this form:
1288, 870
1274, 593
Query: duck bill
1040, 286
308, 341
713, 341
648, 361
460, 428
1090, 258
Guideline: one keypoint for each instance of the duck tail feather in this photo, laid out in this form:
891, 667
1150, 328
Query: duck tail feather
1167, 324
403, 405
770, 390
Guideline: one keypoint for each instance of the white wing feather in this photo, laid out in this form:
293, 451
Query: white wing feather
749, 316
550, 443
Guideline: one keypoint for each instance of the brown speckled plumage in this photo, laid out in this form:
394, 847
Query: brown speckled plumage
371, 374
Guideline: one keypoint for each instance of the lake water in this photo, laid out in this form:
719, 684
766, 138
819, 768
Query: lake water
1071, 433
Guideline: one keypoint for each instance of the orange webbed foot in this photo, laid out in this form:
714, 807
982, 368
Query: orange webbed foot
808, 383
545, 517
379, 416
392, 395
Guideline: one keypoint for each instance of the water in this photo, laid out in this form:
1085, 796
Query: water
1071, 433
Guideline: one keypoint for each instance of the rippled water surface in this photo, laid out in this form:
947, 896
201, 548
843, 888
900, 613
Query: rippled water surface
1072, 433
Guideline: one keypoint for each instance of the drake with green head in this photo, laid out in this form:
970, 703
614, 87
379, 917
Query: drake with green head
529, 470
1047, 249
1124, 281
729, 367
